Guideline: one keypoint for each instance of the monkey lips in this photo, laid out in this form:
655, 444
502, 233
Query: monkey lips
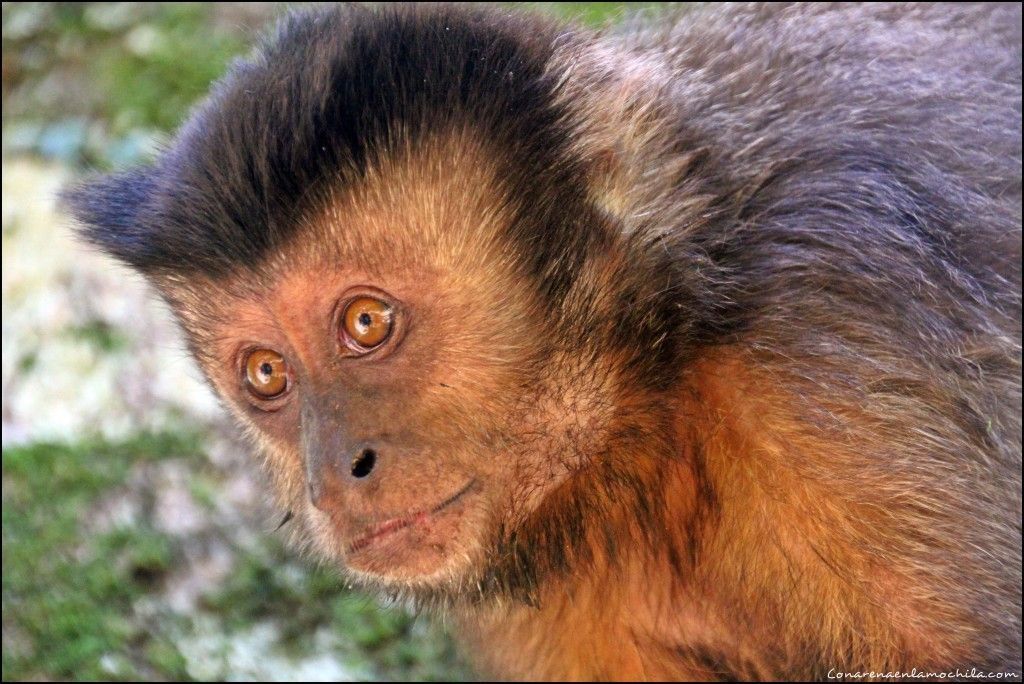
411, 545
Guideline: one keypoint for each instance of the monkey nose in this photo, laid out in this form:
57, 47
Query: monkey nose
363, 463
329, 481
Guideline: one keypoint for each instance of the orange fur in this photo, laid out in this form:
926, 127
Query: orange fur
776, 543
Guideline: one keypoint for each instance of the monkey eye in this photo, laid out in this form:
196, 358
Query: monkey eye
266, 373
366, 323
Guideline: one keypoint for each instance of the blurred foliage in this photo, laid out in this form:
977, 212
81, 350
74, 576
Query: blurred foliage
387, 642
66, 602
101, 83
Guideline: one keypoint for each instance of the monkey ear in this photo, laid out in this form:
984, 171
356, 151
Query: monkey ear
111, 212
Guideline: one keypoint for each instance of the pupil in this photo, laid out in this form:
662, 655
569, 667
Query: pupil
365, 319
266, 368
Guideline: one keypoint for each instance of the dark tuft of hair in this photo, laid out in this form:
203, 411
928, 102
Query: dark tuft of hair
327, 94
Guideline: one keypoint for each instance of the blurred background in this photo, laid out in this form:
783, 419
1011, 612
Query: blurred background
138, 542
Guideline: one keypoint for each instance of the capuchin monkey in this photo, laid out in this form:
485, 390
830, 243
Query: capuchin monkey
686, 350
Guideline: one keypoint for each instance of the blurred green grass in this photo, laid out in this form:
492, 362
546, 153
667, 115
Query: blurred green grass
102, 85
67, 592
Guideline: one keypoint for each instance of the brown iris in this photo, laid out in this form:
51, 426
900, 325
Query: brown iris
367, 322
266, 373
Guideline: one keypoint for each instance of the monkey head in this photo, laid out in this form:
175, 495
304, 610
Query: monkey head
386, 252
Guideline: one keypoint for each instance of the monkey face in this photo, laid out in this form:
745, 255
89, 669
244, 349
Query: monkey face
412, 390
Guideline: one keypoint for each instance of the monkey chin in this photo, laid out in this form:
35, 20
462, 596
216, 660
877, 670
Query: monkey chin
426, 548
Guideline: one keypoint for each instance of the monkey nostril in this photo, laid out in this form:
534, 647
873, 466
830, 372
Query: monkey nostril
363, 464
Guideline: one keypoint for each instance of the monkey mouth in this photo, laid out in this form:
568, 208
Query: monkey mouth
390, 526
